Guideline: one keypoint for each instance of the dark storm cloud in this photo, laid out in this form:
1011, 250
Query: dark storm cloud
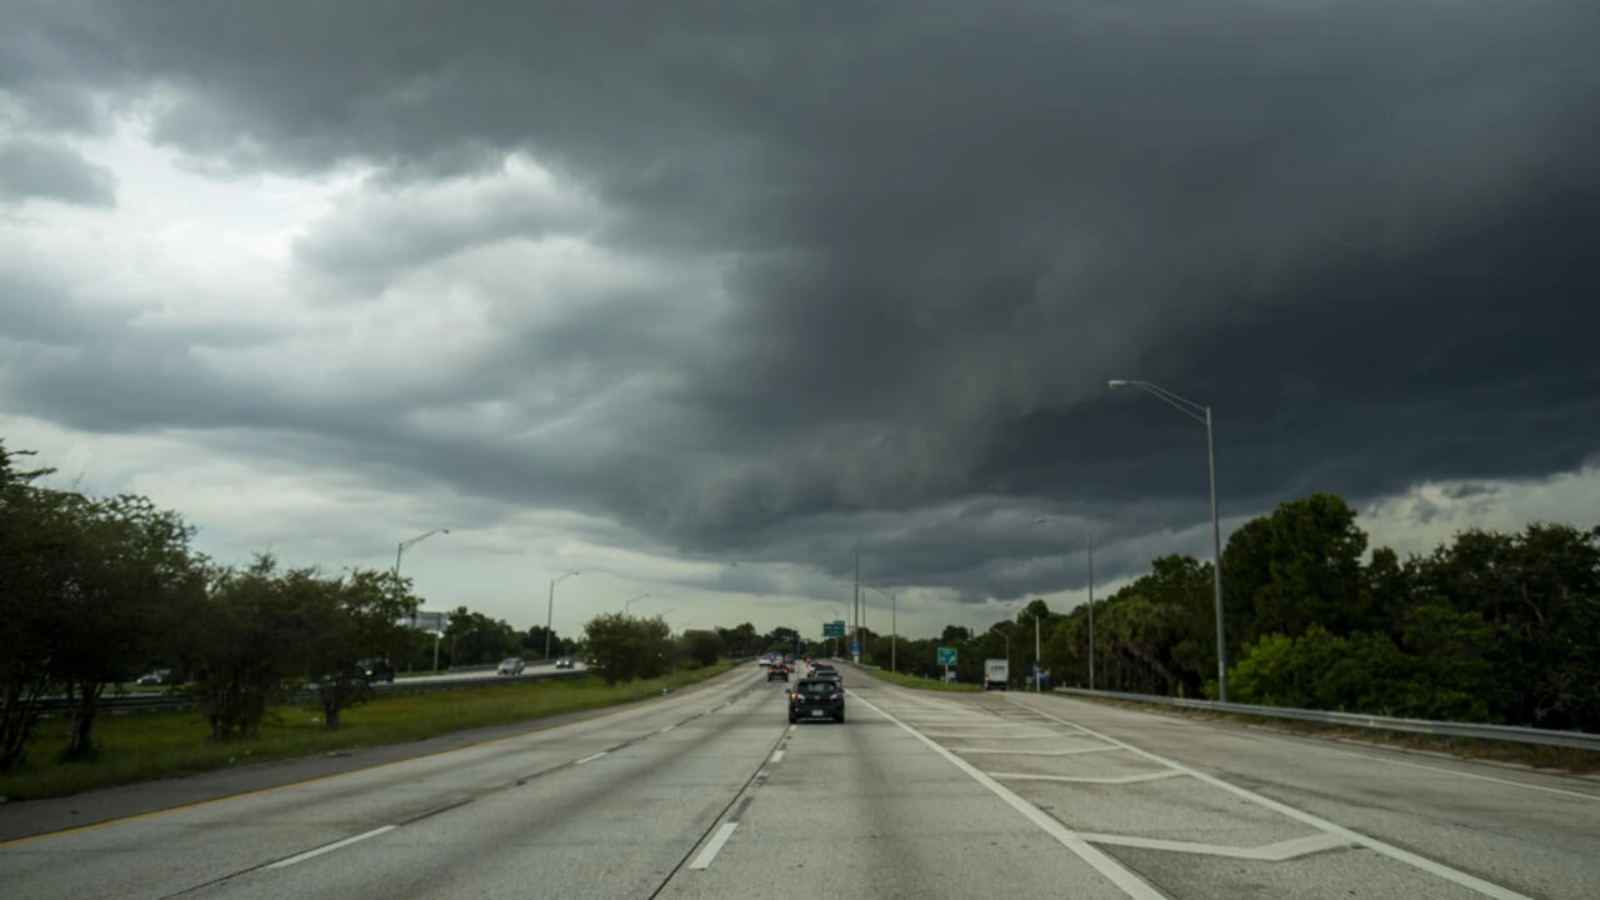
32, 169
1363, 232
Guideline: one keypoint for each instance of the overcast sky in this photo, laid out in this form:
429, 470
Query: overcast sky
700, 298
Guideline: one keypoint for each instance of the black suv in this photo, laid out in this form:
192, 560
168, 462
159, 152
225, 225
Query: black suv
777, 673
372, 670
816, 698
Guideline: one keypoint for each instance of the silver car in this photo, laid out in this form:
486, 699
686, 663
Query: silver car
511, 666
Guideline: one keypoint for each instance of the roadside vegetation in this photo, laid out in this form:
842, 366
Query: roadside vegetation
920, 683
147, 746
1490, 628
1558, 759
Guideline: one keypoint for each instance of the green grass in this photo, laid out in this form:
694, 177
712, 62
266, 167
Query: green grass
925, 684
134, 747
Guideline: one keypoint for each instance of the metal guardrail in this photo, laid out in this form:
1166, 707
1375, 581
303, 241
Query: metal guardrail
1581, 740
164, 701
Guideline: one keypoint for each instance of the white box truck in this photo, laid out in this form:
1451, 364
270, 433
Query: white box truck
996, 674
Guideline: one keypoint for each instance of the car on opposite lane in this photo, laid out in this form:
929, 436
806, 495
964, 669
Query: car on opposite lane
816, 698
511, 666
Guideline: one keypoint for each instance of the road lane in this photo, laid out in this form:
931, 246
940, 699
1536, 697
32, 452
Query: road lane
711, 792
866, 810
156, 855
612, 824
1209, 810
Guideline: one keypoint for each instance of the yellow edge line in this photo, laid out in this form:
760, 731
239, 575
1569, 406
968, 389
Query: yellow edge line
201, 804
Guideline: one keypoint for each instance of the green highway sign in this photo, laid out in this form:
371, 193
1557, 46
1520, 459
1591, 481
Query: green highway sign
947, 656
833, 629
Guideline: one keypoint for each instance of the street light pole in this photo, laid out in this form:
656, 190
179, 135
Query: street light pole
1201, 414
1007, 636
629, 605
856, 641
399, 551
550, 610
1089, 542
894, 625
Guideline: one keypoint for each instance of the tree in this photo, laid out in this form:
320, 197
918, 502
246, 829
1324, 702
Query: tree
346, 620
626, 648
1299, 567
704, 647
533, 643
248, 647
125, 580
29, 542
477, 639
741, 639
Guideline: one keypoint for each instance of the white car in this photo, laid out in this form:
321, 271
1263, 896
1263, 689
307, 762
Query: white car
511, 666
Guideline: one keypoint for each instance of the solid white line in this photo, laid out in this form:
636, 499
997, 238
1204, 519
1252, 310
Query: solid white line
666, 729
309, 854
777, 756
979, 751
591, 757
1084, 779
1279, 852
1470, 882
1130, 883
717, 840
1444, 771
995, 737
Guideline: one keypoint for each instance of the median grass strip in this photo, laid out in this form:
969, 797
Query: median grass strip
134, 747
924, 684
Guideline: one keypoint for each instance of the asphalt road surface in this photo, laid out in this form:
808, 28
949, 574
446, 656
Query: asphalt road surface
712, 793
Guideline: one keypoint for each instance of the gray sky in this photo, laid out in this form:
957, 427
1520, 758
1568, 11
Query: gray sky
697, 298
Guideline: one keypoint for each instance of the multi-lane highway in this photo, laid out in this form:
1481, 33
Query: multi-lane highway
712, 793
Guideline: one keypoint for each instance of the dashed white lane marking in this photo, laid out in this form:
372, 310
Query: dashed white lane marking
1456, 876
591, 757
1130, 883
777, 756
336, 845
666, 729
1283, 850
703, 861
1084, 779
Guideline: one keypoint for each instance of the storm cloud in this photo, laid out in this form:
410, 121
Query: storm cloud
855, 274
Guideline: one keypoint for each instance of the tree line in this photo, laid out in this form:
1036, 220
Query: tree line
1489, 627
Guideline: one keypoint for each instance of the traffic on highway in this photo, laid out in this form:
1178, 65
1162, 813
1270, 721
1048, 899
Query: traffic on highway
702, 793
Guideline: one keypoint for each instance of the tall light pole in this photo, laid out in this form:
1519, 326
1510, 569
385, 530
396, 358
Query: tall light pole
628, 605
401, 547
550, 610
399, 551
1007, 636
894, 626
1089, 541
1201, 414
855, 642
1036, 666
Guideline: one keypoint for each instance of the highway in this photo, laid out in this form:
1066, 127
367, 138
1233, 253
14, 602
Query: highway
711, 793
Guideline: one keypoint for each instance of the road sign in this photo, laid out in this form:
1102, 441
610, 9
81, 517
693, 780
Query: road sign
947, 656
833, 629
855, 649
